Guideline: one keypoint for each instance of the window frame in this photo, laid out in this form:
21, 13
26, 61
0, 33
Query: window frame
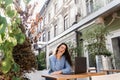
66, 22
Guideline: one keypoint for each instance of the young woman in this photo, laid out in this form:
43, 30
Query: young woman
60, 62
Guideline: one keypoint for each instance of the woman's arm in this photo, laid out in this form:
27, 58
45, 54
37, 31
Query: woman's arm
55, 64
67, 68
57, 72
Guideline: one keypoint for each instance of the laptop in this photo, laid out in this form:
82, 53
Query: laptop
80, 66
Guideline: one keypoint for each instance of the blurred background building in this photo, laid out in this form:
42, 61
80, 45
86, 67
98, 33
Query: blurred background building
62, 20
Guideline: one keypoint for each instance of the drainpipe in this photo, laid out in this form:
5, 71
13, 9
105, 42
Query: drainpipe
79, 42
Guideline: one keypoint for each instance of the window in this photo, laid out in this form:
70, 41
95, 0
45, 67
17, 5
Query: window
43, 21
89, 5
43, 36
55, 30
66, 22
40, 26
116, 51
55, 7
64, 0
76, 1
49, 16
40, 39
48, 35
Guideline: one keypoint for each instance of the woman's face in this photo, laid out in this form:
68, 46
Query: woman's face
61, 49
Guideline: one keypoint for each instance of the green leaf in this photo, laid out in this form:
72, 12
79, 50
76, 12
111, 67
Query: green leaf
18, 20
6, 65
7, 45
20, 38
10, 12
3, 24
12, 40
15, 78
16, 67
1, 39
7, 2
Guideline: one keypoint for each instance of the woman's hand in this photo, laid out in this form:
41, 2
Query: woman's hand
58, 55
56, 72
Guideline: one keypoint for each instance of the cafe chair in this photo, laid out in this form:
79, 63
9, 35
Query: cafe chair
92, 69
115, 76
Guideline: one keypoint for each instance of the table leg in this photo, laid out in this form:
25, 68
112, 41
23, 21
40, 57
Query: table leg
90, 78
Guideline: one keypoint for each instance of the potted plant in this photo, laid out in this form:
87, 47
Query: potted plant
95, 39
41, 60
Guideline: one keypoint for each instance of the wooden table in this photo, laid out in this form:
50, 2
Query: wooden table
72, 76
111, 71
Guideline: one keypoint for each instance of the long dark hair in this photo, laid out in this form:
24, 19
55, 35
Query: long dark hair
66, 53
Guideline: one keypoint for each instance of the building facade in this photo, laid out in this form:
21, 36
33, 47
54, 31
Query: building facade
62, 18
